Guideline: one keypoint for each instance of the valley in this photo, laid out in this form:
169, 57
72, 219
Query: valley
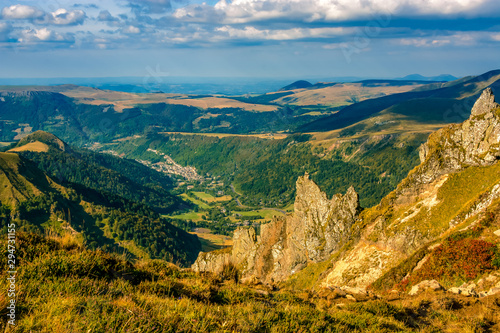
335, 209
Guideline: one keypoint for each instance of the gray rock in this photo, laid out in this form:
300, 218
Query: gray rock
425, 285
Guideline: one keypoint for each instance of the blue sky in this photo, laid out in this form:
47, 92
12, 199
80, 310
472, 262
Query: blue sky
248, 38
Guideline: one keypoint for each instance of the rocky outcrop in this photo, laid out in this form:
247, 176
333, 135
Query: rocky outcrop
418, 211
212, 261
475, 142
318, 227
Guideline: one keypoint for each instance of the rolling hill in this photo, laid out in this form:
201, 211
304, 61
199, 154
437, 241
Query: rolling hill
442, 103
102, 172
34, 202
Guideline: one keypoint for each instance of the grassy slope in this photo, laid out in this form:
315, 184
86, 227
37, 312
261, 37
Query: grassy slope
65, 288
103, 220
448, 103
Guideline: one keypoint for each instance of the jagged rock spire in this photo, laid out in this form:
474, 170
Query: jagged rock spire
485, 103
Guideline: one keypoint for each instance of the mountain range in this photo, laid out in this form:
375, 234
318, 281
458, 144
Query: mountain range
354, 206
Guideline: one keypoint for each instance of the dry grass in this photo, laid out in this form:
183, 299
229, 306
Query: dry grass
123, 100
277, 136
341, 94
36, 146
211, 242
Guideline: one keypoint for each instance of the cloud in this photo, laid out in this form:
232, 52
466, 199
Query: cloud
105, 16
88, 6
131, 30
246, 11
65, 17
20, 12
250, 32
44, 35
461, 39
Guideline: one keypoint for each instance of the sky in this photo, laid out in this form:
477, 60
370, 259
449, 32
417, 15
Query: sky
248, 38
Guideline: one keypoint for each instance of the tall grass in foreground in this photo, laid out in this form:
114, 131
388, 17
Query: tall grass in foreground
65, 288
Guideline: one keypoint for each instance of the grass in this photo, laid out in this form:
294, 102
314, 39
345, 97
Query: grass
187, 216
62, 287
457, 196
36, 146
309, 277
210, 198
277, 136
197, 202
211, 242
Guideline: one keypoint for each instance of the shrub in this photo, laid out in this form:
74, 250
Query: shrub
462, 259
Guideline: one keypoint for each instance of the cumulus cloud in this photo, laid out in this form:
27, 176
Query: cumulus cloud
282, 34
44, 35
245, 11
65, 17
20, 12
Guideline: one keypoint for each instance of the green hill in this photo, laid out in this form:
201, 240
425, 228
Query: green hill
102, 172
37, 203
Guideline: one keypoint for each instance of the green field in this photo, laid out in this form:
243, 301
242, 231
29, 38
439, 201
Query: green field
210, 198
188, 216
199, 203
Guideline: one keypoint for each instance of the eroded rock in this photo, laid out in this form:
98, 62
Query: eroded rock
318, 227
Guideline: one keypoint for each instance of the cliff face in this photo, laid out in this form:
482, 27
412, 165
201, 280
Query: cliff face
449, 190
318, 228
475, 142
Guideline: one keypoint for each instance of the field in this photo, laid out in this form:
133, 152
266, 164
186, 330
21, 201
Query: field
342, 94
199, 203
210, 198
188, 216
211, 242
277, 136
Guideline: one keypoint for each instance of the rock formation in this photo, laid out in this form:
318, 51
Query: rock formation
412, 215
475, 142
317, 228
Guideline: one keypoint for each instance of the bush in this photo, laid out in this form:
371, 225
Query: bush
458, 260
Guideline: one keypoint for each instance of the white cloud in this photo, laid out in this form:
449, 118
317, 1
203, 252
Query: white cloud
131, 30
105, 16
153, 6
245, 11
44, 35
455, 39
496, 37
19, 12
65, 17
250, 32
